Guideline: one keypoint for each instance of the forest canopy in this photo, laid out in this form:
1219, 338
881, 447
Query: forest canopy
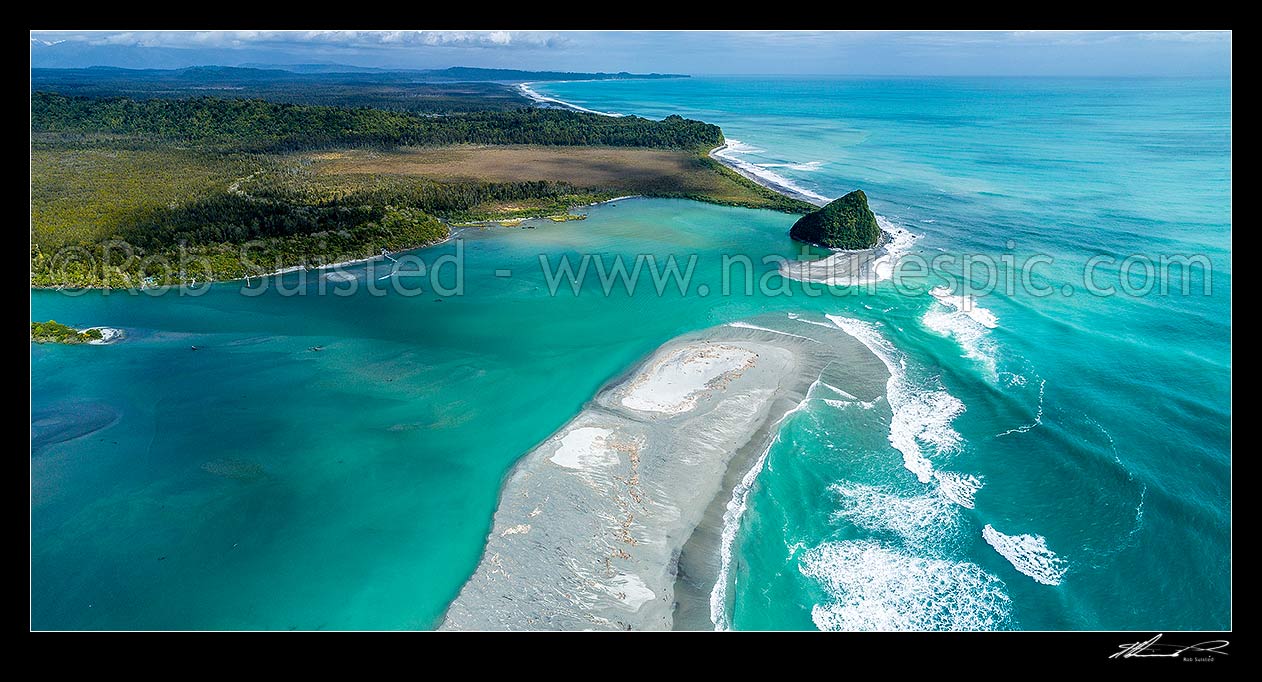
151, 191
260, 125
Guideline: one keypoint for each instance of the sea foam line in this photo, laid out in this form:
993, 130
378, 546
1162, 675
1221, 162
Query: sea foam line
961, 318
967, 305
1038, 417
876, 588
921, 521
728, 154
838, 391
959, 488
1139, 513
918, 416
849, 268
746, 325
530, 92
732, 518
808, 166
1028, 554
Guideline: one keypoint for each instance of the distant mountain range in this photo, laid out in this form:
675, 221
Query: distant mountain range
457, 89
464, 73
341, 72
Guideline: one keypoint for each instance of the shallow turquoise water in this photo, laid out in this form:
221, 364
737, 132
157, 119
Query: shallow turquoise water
1126, 475
258, 484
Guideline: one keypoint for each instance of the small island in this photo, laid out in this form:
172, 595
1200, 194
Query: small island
845, 223
55, 332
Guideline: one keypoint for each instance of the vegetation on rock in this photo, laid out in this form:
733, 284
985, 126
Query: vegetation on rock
845, 223
55, 332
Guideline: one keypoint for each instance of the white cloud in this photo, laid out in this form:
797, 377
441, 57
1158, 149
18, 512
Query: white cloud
364, 39
1190, 36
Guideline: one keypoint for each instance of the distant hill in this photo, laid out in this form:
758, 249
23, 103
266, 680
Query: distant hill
322, 72
456, 89
313, 68
461, 73
395, 91
466, 73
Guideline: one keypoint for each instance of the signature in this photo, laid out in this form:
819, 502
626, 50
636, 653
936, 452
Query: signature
1153, 648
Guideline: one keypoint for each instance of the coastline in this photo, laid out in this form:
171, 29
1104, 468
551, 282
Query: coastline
687, 585
772, 181
515, 222
759, 176
855, 267
536, 97
755, 174
765, 179
451, 234
614, 521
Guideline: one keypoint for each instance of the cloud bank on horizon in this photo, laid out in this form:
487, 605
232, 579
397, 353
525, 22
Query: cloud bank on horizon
1034, 53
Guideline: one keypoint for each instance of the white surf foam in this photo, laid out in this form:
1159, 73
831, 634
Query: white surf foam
838, 391
867, 405
1014, 379
967, 305
969, 327
959, 488
730, 152
530, 92
874, 588
921, 416
1028, 554
854, 268
732, 519
814, 322
807, 167
746, 325
108, 335
920, 521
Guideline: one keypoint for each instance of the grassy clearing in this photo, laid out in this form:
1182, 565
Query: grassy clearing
605, 171
322, 206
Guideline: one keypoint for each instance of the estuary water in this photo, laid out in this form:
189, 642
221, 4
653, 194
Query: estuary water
1044, 457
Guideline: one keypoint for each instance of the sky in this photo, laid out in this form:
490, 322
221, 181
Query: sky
900, 53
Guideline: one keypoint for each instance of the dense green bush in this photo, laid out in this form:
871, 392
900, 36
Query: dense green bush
845, 223
55, 332
253, 124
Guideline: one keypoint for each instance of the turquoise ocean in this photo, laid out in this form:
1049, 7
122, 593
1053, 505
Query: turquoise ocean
1049, 459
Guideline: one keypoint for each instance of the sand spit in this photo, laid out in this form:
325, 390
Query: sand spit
612, 523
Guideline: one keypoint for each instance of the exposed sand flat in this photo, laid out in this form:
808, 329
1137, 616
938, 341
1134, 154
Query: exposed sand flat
585, 449
672, 384
595, 524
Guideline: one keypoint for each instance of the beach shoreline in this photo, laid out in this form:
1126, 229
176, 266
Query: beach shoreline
614, 521
526, 91
722, 154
